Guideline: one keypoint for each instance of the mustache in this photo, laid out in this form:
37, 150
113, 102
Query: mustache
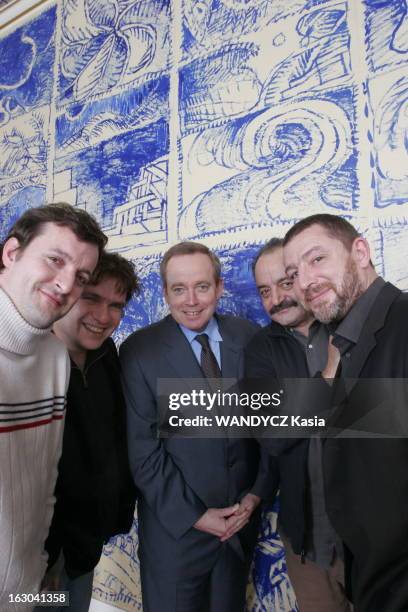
287, 303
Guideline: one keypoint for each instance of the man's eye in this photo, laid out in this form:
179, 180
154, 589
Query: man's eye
202, 287
287, 285
264, 293
178, 290
318, 258
82, 280
55, 260
117, 307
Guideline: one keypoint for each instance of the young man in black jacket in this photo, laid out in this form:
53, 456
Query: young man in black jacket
295, 346
95, 491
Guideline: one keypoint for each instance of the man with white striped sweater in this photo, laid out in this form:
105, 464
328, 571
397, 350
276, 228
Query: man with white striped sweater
45, 261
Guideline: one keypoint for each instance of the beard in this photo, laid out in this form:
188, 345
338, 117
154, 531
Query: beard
346, 295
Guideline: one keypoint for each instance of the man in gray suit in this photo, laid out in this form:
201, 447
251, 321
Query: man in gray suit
198, 515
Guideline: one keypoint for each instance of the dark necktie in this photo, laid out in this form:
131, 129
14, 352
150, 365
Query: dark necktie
208, 361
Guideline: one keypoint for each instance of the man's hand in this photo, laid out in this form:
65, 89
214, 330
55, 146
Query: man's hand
333, 360
241, 516
51, 581
214, 520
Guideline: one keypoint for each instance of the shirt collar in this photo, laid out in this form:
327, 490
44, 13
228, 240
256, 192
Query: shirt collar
211, 330
351, 326
313, 329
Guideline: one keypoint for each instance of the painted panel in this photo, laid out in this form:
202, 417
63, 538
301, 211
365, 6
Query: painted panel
26, 86
111, 44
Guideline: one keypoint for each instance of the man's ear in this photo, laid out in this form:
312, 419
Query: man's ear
361, 252
220, 288
10, 251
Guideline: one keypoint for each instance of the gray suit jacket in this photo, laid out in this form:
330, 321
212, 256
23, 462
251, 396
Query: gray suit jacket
179, 478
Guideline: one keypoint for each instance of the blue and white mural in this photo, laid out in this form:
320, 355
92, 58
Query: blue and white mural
386, 30
218, 120
27, 57
111, 44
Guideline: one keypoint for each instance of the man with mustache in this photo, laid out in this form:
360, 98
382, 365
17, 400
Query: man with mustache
293, 345
366, 479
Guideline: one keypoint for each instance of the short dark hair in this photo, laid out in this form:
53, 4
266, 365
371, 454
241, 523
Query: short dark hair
113, 265
31, 224
269, 247
189, 248
336, 227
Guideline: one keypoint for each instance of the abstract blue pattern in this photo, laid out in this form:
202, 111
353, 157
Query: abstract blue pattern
110, 174
390, 246
387, 48
209, 22
109, 44
284, 160
119, 583
279, 143
386, 33
391, 143
271, 588
26, 67
27, 58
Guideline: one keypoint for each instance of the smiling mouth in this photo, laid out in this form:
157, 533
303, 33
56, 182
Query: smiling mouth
311, 299
52, 298
94, 329
192, 313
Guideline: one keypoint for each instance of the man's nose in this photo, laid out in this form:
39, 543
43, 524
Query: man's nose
191, 296
276, 296
101, 313
65, 280
304, 278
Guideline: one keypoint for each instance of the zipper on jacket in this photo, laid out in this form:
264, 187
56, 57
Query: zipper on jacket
85, 370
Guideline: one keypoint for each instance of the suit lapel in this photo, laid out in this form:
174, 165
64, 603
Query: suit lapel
345, 414
375, 321
179, 353
231, 354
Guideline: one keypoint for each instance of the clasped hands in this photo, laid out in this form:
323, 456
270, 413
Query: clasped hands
224, 522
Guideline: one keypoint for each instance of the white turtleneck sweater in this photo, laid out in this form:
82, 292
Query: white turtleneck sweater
34, 375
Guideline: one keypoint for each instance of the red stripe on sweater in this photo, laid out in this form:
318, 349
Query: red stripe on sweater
30, 425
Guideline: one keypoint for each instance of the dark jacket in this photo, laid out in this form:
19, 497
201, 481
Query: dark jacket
179, 478
95, 491
367, 479
275, 353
